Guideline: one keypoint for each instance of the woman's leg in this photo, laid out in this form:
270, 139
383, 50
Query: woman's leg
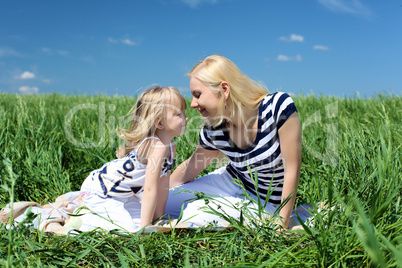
219, 183
270, 208
229, 200
198, 213
238, 208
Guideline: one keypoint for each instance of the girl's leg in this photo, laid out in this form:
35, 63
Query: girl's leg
219, 183
133, 207
109, 213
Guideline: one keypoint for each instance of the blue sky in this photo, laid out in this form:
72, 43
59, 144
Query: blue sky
329, 47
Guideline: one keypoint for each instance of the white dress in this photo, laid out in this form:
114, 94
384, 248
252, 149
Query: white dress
113, 193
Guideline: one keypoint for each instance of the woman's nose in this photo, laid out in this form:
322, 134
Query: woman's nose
194, 103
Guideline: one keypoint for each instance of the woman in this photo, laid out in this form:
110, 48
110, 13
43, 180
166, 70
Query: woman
256, 130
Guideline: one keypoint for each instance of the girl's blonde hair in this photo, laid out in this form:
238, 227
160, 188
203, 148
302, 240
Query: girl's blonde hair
244, 92
150, 108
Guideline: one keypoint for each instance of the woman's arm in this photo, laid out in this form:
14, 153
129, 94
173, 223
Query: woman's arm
290, 142
152, 183
190, 168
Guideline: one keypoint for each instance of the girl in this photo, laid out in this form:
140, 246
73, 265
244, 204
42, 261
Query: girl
131, 191
253, 128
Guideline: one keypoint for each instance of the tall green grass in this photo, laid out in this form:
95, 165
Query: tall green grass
351, 160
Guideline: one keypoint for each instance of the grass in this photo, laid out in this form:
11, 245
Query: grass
351, 160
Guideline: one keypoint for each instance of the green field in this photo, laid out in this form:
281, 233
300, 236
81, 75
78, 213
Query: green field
351, 159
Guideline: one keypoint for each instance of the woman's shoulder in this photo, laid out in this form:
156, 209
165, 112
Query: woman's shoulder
275, 99
278, 94
208, 127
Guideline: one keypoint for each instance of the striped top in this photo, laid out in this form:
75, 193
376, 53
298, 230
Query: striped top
264, 155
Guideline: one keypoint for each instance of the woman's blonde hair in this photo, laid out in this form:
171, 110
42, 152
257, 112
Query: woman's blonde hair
150, 108
244, 92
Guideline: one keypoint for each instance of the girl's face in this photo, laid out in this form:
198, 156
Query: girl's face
175, 119
204, 100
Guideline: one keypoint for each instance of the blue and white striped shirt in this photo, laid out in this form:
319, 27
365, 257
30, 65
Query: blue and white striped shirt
264, 155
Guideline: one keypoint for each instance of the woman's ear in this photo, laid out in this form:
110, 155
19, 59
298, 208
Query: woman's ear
225, 89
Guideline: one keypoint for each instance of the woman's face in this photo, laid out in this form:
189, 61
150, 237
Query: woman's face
204, 99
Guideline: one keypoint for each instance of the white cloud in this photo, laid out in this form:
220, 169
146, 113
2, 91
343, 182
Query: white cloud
125, 41
67, 54
63, 53
128, 42
196, 3
281, 57
298, 57
346, 6
292, 38
27, 75
88, 59
46, 50
28, 90
319, 47
111, 40
47, 81
8, 51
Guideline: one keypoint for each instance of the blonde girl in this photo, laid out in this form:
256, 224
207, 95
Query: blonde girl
253, 128
130, 192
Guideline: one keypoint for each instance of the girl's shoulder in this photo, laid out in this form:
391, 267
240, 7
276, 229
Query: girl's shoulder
174, 147
150, 147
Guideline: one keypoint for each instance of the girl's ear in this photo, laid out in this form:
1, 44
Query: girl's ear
158, 123
225, 89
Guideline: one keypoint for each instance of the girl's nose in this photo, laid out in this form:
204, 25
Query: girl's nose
194, 103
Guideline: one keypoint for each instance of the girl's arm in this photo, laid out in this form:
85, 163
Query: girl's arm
152, 182
163, 193
290, 142
190, 168
163, 190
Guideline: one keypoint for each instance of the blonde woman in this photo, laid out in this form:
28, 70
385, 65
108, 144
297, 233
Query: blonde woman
253, 128
131, 191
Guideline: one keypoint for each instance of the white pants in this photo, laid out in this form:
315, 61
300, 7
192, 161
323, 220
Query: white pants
227, 197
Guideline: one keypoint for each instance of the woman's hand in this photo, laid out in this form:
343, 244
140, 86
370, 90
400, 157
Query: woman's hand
290, 142
189, 169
